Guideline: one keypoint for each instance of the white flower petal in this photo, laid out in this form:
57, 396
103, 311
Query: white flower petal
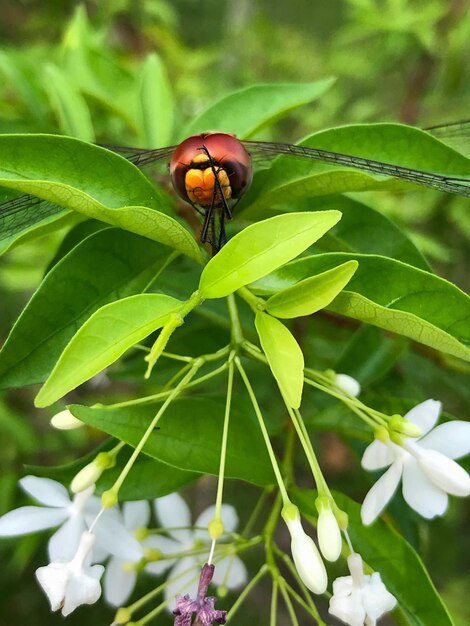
113, 536
451, 438
64, 542
46, 491
420, 493
183, 579
376, 599
166, 546
377, 455
83, 589
118, 582
445, 473
29, 519
173, 512
68, 587
425, 415
348, 608
231, 572
381, 493
136, 514
227, 513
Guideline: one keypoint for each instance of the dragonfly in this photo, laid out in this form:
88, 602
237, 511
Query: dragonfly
212, 171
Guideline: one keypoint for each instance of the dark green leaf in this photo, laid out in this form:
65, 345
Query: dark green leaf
189, 437
106, 266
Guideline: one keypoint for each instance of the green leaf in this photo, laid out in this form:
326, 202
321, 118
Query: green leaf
103, 338
190, 444
261, 248
70, 106
246, 111
88, 179
156, 103
311, 294
400, 567
391, 295
361, 228
284, 356
70, 293
290, 178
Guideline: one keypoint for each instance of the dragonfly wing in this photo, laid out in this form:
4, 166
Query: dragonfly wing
449, 184
26, 211
455, 135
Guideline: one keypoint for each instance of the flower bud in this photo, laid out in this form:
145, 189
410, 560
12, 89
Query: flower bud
307, 559
86, 477
329, 534
348, 384
65, 421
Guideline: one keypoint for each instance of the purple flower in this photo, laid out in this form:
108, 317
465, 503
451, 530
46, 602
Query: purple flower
203, 607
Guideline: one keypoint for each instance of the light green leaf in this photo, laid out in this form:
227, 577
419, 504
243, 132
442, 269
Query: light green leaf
70, 106
284, 356
391, 295
311, 294
104, 337
70, 292
156, 103
246, 111
88, 179
261, 248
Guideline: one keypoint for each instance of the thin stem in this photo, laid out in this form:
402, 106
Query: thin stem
163, 394
223, 450
288, 603
235, 325
274, 597
308, 449
264, 432
301, 602
256, 303
151, 427
293, 570
241, 598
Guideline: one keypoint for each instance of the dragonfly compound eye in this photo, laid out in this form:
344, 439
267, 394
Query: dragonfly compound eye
211, 169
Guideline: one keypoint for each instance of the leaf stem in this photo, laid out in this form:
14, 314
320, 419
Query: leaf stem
264, 432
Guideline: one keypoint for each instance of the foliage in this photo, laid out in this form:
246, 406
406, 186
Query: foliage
311, 274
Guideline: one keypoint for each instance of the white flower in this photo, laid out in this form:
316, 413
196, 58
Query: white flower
74, 518
307, 559
426, 465
70, 584
360, 600
120, 577
174, 516
348, 384
329, 534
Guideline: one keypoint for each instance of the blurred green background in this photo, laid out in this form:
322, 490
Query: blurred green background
394, 60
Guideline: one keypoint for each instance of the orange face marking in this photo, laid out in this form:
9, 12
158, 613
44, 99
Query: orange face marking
201, 185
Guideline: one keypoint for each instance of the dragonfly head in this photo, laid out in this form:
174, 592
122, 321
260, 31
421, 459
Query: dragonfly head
211, 169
